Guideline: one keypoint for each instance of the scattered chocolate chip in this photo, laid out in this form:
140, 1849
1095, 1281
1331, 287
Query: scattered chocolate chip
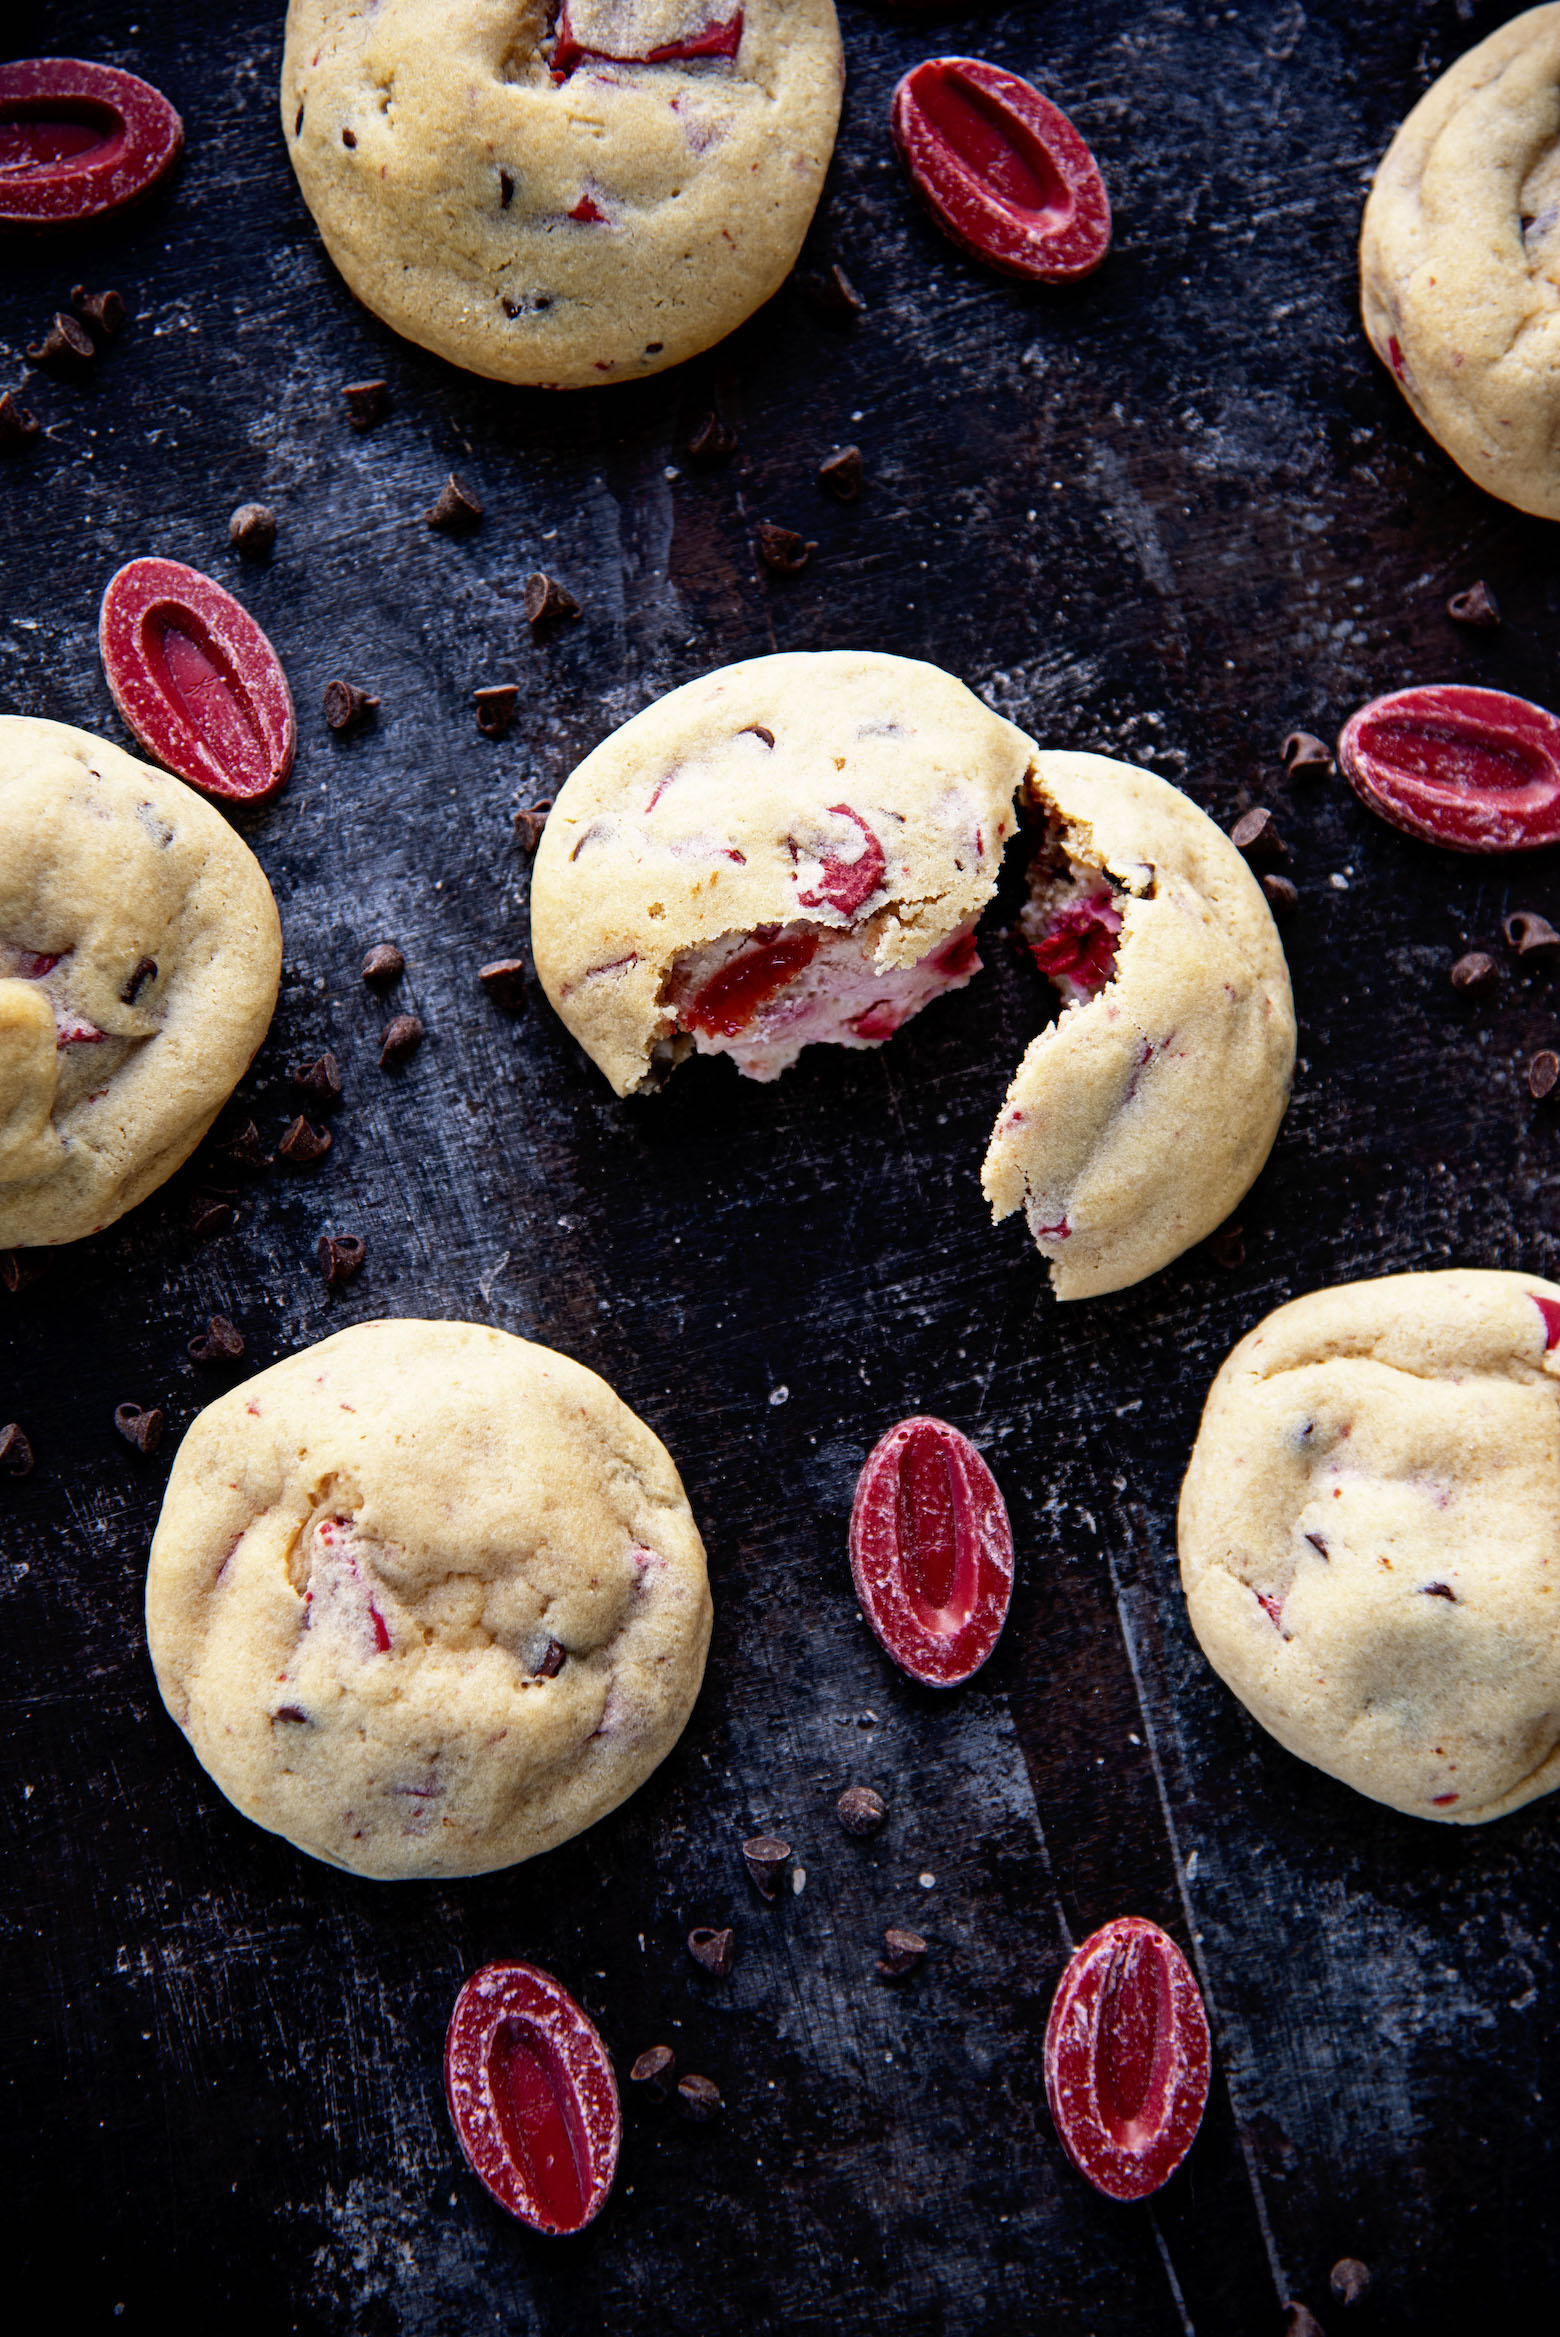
402, 1038
905, 1951
103, 310
1477, 606
18, 428
458, 509
19, 1267
547, 601
496, 708
1256, 834
833, 294
698, 2098
1475, 971
713, 442
252, 530
290, 1712
715, 1950
383, 965
1282, 897
842, 474
302, 1145
1227, 1247
506, 189
1302, 2323
220, 1342
1349, 2280
861, 1811
368, 402
782, 550
553, 1661
504, 982
654, 2068
136, 982
346, 706
1543, 1071
16, 1454
244, 1148
766, 1857
339, 1256
349, 137
142, 1429
210, 1214
1529, 934
320, 1082
530, 823
66, 347
1302, 750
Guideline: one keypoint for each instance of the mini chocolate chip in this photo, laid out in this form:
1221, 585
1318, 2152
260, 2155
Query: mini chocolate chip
104, 310
861, 1811
833, 294
1256, 834
757, 730
66, 347
713, 442
547, 601
698, 2098
383, 965
244, 1149
142, 1429
1318, 1543
401, 1038
782, 550
1529, 934
1543, 1071
339, 1256
209, 1214
1282, 897
19, 1267
715, 1950
220, 1342
1302, 750
458, 509
496, 708
16, 1454
1302, 2323
765, 1857
136, 982
302, 1145
530, 823
905, 1951
506, 189
18, 428
842, 474
290, 1712
368, 402
346, 706
349, 137
1475, 971
252, 530
1440, 1590
654, 2068
320, 1082
553, 1661
1349, 2279
1477, 606
1226, 1247
504, 982
654, 348
298, 123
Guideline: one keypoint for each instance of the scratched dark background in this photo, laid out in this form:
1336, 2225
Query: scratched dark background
1169, 515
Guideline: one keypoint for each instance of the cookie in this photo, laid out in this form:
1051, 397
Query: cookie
788, 851
426, 1599
1136, 1123
1460, 262
1370, 1537
139, 959
562, 198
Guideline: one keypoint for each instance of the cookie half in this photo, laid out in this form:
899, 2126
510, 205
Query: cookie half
1137, 1122
140, 954
787, 851
426, 1599
562, 196
1460, 262
1370, 1537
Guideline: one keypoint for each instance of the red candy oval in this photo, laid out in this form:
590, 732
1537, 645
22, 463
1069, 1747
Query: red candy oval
78, 139
197, 680
1127, 2058
532, 2097
931, 1551
1001, 169
1473, 770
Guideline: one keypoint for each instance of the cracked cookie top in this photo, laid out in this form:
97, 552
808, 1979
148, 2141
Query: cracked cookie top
1460, 262
139, 959
563, 195
1370, 1537
426, 1599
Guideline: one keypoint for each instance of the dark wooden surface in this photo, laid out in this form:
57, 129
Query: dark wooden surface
1169, 515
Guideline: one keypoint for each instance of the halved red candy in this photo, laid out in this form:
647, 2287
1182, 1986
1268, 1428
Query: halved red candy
532, 2097
580, 36
1127, 2058
78, 139
1474, 770
931, 1551
197, 680
1001, 169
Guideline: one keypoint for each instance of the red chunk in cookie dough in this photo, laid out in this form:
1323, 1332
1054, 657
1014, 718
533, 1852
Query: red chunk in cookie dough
846, 885
1076, 946
642, 32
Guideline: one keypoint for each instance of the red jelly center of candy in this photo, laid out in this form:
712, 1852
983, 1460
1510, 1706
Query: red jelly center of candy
996, 147
1136, 2039
530, 2096
36, 137
1457, 760
210, 696
745, 984
938, 1565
